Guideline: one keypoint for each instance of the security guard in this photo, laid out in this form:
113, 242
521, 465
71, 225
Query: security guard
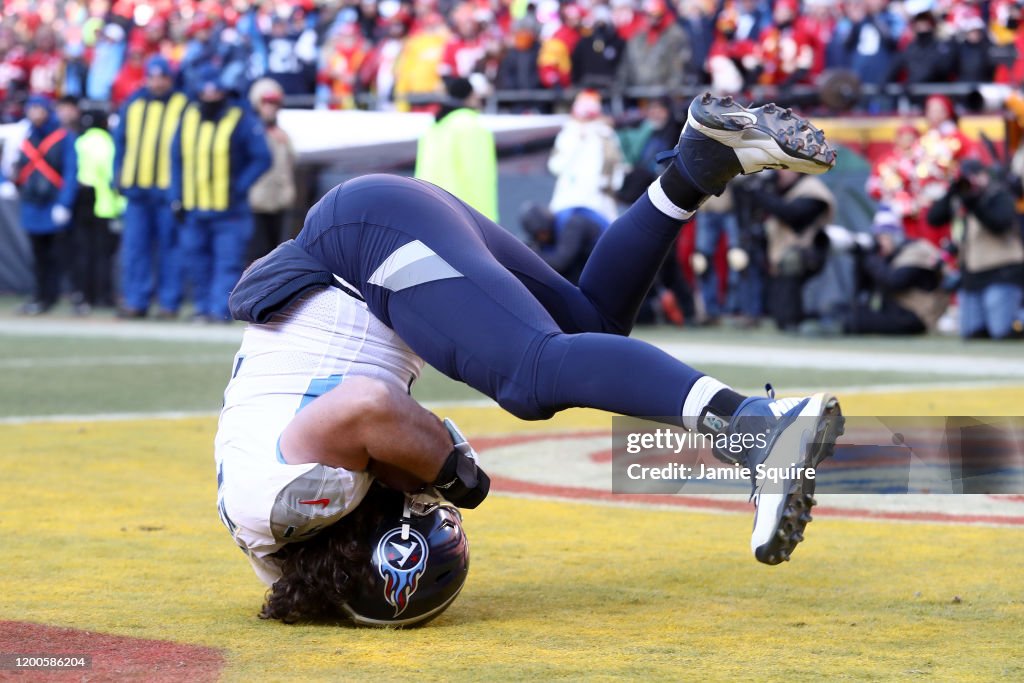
220, 150
143, 171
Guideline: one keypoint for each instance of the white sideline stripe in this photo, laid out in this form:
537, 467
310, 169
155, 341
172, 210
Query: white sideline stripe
108, 417
99, 329
184, 414
836, 512
103, 361
804, 359
966, 364
488, 403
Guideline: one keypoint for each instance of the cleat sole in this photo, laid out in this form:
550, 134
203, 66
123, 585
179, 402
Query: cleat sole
796, 514
787, 140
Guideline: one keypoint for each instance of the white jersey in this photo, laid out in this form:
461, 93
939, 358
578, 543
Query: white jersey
300, 354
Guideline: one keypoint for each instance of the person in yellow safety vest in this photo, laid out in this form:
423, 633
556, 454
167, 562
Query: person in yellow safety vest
96, 205
219, 151
457, 153
142, 170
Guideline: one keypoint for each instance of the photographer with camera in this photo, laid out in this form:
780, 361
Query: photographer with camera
990, 249
796, 208
901, 282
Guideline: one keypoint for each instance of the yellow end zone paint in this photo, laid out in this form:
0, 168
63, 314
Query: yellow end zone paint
112, 527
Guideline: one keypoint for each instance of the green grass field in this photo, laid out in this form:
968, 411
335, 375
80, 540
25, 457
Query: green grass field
110, 528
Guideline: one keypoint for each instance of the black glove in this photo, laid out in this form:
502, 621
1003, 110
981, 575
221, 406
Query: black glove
461, 481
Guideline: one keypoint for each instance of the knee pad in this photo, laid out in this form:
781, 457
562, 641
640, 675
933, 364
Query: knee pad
699, 263
791, 264
738, 259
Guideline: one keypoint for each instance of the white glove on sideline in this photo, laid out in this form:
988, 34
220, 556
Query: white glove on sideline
60, 215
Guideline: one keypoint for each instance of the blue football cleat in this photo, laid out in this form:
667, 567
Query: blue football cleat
722, 139
796, 434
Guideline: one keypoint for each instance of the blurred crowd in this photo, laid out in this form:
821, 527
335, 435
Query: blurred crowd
947, 228
384, 53
194, 178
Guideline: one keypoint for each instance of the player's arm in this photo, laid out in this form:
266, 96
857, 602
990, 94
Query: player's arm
365, 424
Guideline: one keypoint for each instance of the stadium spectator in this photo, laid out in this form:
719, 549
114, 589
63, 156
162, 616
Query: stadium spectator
219, 151
565, 239
627, 18
555, 59
797, 209
44, 63
595, 60
893, 179
46, 178
731, 62
927, 57
991, 252
902, 291
517, 69
659, 130
108, 54
939, 152
97, 204
340, 64
131, 76
211, 46
818, 22
274, 193
697, 19
717, 221
752, 17
69, 114
975, 61
466, 47
458, 154
867, 40
658, 54
785, 52
1004, 26
150, 249
418, 69
378, 72
292, 54
587, 160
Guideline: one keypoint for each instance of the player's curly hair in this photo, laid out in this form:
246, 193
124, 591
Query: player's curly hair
320, 575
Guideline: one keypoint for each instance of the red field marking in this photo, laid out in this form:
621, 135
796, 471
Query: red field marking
511, 485
114, 658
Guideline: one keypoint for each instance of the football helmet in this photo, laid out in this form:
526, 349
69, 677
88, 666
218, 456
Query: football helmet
420, 558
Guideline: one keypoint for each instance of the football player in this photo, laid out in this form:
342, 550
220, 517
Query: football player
388, 273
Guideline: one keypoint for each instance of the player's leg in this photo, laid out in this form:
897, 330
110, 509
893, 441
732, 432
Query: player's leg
428, 273
721, 140
426, 269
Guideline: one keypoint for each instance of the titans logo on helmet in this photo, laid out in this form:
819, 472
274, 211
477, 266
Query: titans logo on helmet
401, 562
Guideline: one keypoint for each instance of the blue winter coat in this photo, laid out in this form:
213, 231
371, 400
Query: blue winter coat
38, 194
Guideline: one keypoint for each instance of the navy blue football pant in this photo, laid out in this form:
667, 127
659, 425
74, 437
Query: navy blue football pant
481, 307
214, 251
150, 238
